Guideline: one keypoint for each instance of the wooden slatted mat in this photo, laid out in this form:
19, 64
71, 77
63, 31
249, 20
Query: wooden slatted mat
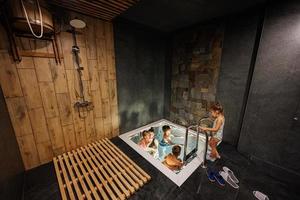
98, 170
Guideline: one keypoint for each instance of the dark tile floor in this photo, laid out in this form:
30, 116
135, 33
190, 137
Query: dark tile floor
40, 183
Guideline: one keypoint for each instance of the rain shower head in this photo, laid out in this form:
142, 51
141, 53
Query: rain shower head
77, 23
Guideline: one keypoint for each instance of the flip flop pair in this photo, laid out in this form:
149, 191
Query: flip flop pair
215, 176
229, 177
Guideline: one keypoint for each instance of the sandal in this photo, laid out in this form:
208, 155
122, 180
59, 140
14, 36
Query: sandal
231, 174
259, 195
227, 178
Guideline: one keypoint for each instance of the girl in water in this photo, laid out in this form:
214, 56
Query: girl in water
153, 145
146, 140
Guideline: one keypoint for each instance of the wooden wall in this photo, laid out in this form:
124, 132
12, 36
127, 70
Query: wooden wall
40, 93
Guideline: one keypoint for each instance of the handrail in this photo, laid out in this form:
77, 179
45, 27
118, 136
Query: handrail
186, 138
203, 164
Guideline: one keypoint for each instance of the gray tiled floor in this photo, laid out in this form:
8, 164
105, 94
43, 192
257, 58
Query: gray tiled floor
40, 183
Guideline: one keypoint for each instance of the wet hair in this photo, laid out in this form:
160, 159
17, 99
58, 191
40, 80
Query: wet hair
165, 128
176, 150
145, 133
151, 129
152, 144
217, 107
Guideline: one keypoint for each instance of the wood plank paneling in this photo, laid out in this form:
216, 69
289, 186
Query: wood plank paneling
103, 77
115, 120
45, 151
42, 67
93, 73
59, 76
19, 116
69, 136
67, 43
97, 101
99, 128
91, 45
49, 99
112, 85
39, 125
101, 53
40, 93
90, 127
27, 63
56, 135
106, 111
9, 77
65, 108
30, 88
28, 151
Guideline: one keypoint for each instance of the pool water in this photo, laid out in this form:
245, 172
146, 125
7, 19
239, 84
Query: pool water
178, 133
177, 137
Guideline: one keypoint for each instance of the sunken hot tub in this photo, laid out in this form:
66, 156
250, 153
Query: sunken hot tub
192, 148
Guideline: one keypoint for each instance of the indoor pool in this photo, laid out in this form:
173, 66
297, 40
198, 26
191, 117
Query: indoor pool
178, 134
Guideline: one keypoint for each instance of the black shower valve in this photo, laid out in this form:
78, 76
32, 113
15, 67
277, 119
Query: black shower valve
75, 49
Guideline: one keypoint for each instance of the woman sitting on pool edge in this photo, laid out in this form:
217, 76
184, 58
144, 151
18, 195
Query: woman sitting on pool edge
172, 161
166, 140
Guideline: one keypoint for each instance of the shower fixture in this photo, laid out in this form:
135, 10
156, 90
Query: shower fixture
77, 23
82, 105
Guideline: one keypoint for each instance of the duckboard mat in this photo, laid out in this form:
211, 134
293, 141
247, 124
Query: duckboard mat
99, 170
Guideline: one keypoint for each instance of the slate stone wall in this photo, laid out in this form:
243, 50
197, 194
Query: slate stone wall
195, 70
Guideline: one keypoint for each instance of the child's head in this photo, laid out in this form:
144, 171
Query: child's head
146, 136
176, 150
166, 129
216, 109
151, 130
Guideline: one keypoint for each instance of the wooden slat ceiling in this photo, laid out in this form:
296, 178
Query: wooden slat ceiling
103, 9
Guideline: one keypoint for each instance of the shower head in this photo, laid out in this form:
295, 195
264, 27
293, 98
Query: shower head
77, 23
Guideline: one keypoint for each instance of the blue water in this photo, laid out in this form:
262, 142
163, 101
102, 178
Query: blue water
177, 137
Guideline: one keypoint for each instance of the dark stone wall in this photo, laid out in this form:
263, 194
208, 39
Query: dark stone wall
140, 64
270, 130
11, 165
239, 37
195, 71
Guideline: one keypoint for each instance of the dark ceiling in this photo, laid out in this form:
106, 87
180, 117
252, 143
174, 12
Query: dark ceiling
170, 15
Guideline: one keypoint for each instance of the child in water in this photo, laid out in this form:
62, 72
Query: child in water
146, 140
166, 140
153, 145
172, 161
217, 113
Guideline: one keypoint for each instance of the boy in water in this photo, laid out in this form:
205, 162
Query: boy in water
166, 140
172, 161
217, 113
